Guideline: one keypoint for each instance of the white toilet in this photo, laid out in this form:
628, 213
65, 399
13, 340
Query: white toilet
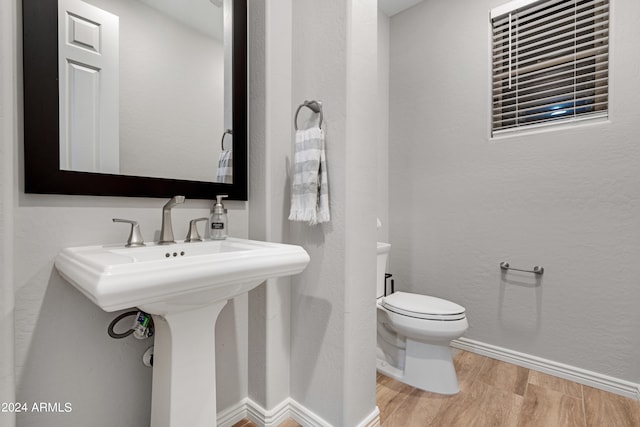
414, 332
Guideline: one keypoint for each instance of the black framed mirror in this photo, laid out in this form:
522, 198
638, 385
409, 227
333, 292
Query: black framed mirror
43, 174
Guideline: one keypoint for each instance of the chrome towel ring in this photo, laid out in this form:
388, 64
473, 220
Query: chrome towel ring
315, 106
228, 131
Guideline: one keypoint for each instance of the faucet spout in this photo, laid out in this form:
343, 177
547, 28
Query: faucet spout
166, 232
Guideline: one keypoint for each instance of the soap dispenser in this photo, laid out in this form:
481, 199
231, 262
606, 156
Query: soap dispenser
218, 222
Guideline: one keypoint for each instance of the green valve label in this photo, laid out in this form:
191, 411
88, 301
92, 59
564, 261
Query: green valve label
143, 320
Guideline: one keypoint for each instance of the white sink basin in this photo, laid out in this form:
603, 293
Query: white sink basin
167, 278
184, 286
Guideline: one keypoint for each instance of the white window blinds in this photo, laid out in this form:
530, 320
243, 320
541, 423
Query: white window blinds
550, 62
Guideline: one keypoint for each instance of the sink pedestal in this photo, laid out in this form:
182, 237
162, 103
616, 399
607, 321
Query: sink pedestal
184, 287
184, 369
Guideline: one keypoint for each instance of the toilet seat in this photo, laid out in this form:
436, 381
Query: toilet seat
423, 307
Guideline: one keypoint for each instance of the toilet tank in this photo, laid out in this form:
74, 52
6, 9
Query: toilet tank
383, 255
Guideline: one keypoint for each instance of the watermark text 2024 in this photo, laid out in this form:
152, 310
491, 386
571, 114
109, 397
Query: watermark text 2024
40, 407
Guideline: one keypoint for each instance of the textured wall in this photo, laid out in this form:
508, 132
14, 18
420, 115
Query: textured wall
567, 199
7, 149
62, 348
382, 165
271, 132
333, 309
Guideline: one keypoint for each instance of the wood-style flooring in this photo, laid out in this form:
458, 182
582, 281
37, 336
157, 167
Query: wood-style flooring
493, 394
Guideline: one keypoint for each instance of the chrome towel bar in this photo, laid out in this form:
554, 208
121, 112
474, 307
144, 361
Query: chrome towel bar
536, 268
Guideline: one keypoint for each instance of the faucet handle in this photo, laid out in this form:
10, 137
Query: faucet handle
135, 236
192, 235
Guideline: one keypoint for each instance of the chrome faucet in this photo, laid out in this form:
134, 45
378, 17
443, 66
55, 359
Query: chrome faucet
166, 232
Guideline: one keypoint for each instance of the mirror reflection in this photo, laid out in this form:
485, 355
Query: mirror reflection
145, 88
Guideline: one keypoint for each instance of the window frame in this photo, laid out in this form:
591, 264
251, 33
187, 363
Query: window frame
513, 109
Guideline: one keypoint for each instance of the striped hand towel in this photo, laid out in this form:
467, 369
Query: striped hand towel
225, 167
310, 189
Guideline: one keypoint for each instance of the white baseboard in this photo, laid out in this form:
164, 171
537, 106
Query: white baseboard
304, 416
288, 408
578, 375
271, 418
372, 420
247, 408
229, 416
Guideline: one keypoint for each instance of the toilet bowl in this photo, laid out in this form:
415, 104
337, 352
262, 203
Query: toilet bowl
414, 332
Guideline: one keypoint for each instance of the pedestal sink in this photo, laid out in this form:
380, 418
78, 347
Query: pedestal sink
184, 287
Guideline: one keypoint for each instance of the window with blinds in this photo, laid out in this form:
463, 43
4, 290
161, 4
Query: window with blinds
550, 62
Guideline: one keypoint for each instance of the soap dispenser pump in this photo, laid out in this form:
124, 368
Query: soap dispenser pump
218, 223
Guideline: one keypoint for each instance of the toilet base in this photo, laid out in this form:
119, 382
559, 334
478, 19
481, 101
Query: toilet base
427, 367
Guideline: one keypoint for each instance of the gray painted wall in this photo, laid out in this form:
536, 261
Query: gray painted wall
62, 348
382, 170
333, 300
269, 160
566, 199
8, 130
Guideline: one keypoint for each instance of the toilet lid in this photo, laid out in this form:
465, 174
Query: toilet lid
423, 306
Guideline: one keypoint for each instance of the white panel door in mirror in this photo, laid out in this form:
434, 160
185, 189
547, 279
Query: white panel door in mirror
88, 69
